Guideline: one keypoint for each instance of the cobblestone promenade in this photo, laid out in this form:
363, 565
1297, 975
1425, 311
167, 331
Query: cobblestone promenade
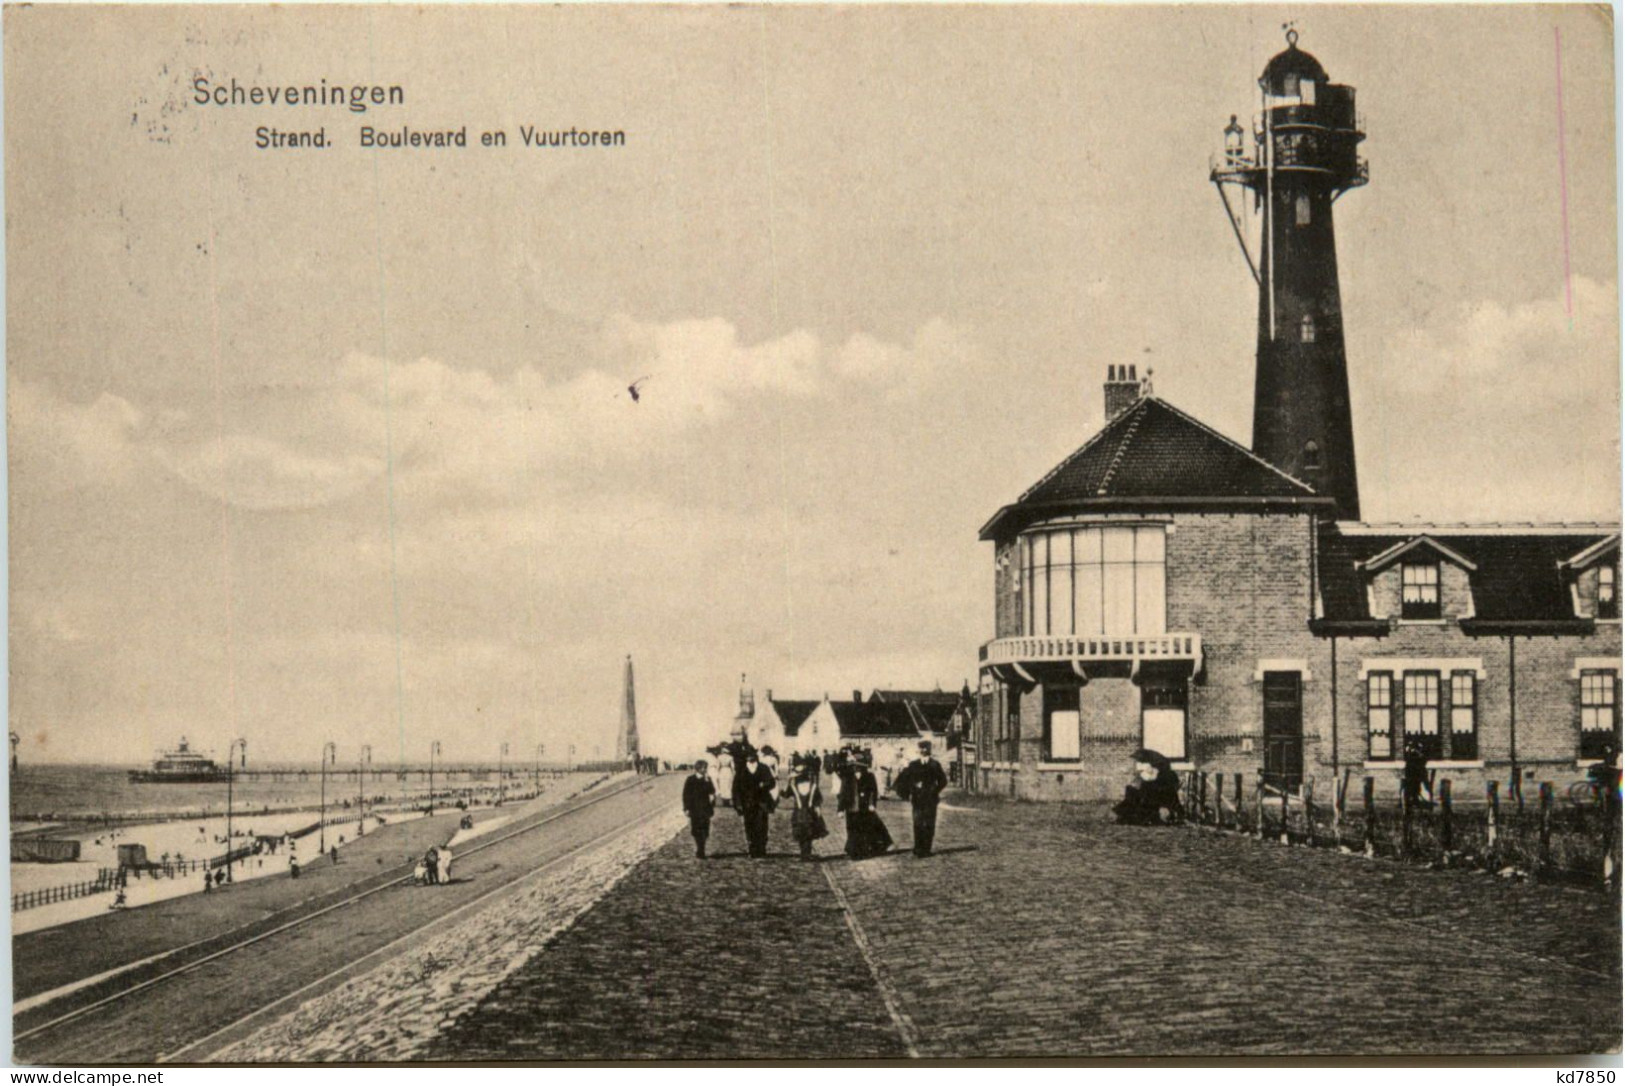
1042, 930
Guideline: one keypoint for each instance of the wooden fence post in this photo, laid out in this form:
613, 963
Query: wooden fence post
1610, 813
1370, 817
1405, 814
1447, 829
1545, 824
1241, 822
1309, 810
1201, 798
1258, 801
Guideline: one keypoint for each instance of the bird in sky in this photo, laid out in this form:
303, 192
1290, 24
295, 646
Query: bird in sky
632, 389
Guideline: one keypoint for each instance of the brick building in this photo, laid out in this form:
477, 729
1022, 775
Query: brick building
1165, 586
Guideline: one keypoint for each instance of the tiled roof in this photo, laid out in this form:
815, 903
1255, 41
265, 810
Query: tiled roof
877, 719
793, 714
1517, 578
924, 697
1154, 453
934, 716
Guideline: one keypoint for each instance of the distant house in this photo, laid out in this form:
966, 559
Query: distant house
933, 712
889, 730
777, 724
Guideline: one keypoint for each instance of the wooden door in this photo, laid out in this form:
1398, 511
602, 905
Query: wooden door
1283, 729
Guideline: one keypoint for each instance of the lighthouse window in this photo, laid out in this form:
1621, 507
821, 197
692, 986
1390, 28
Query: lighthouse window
1290, 88
1307, 329
1311, 455
1303, 209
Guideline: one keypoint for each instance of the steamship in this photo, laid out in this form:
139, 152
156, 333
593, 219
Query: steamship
180, 766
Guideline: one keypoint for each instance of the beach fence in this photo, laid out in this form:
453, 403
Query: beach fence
105, 880
1566, 831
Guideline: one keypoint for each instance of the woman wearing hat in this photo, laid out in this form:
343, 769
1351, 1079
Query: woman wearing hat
1152, 797
866, 834
806, 823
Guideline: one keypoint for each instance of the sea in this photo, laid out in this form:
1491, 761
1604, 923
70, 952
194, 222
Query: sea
58, 793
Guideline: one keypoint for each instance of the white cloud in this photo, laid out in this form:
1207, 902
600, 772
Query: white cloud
1497, 412
57, 440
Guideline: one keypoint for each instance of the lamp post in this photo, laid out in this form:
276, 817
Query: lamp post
330, 753
502, 784
434, 748
231, 750
570, 763
541, 748
362, 765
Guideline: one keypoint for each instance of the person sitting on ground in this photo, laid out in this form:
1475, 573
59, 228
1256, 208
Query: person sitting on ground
420, 873
1152, 797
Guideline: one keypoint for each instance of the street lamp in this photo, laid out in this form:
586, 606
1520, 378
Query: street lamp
362, 765
502, 784
541, 748
330, 753
570, 764
231, 750
434, 748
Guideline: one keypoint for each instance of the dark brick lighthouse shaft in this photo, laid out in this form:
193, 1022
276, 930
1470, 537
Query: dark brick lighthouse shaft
1306, 156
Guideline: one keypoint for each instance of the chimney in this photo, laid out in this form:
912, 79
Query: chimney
1122, 390
857, 695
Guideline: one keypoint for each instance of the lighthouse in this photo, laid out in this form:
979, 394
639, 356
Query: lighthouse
626, 740
1303, 154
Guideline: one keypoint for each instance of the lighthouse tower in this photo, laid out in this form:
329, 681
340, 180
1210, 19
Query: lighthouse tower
1302, 156
626, 741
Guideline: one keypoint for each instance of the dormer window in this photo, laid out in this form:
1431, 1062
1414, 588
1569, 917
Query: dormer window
1419, 590
1607, 592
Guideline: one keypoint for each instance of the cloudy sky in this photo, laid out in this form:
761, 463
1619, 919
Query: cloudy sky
334, 444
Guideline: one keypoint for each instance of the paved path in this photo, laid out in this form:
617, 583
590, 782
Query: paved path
1040, 930
309, 957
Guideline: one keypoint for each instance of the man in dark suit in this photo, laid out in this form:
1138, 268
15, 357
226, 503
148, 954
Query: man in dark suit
754, 792
699, 803
922, 784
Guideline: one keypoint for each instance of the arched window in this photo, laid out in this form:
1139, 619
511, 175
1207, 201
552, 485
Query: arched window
1306, 330
1303, 209
1311, 455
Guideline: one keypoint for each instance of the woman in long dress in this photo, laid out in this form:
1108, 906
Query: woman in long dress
806, 824
866, 833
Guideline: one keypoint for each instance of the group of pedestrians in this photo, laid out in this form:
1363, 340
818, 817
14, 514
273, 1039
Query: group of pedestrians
435, 867
757, 794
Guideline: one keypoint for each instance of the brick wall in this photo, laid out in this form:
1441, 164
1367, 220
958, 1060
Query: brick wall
1241, 581
1548, 699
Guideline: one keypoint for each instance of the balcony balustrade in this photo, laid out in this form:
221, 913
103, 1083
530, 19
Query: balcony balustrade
1085, 649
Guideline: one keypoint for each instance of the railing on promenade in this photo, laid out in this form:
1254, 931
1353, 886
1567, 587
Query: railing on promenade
106, 879
1568, 831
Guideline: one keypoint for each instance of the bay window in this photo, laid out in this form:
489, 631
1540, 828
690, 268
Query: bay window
1095, 580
